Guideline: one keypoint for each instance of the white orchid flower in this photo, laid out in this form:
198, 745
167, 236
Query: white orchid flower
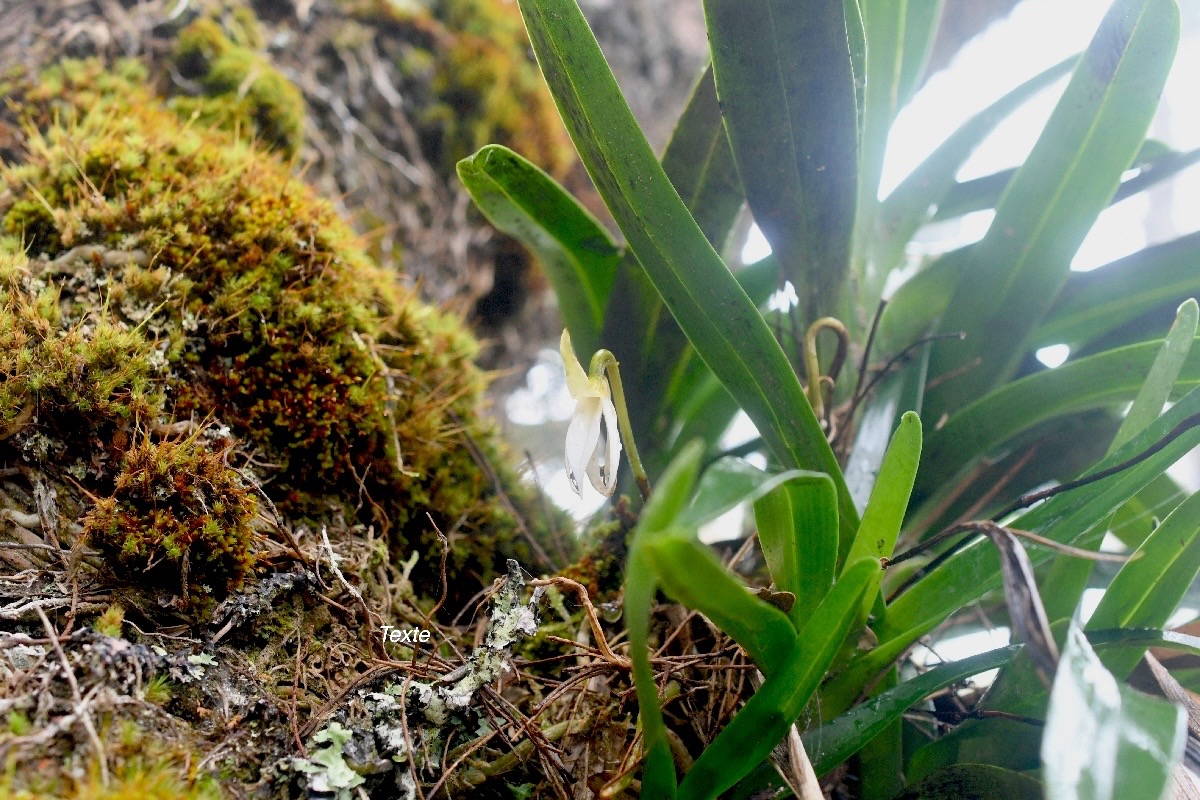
593, 406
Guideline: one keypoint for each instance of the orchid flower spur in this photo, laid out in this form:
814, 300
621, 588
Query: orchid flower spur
594, 406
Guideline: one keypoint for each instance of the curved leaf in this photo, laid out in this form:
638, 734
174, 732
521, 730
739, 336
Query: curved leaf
973, 570
910, 203
692, 576
1097, 381
579, 256
834, 742
641, 585
983, 193
1148, 588
728, 483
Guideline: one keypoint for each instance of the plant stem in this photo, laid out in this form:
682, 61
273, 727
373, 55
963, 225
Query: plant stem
605, 360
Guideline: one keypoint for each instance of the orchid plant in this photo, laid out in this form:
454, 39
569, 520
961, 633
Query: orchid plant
907, 480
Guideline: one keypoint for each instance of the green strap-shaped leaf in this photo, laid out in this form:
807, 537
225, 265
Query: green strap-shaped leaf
658, 774
1094, 303
1148, 588
700, 164
1164, 373
1102, 740
884, 25
579, 256
1141, 513
909, 204
1107, 379
889, 499
896, 394
920, 29
901, 35
1016, 271
786, 82
981, 193
637, 327
797, 529
728, 483
1069, 577
779, 702
641, 585
712, 309
834, 742
691, 575
973, 570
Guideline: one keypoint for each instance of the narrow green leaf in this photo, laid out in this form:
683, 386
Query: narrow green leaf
834, 742
711, 308
786, 83
1103, 740
1160, 382
579, 256
1141, 638
920, 30
641, 585
982, 193
897, 393
1104, 380
691, 575
1141, 513
884, 25
909, 205
778, 703
700, 164
728, 483
637, 327
1148, 588
797, 529
973, 570
673, 492
658, 774
1094, 303
889, 499
1069, 577
1019, 267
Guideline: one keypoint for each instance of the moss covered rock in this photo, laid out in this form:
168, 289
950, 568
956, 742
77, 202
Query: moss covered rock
162, 278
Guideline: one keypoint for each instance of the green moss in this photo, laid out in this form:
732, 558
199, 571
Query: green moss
192, 278
140, 767
178, 517
65, 382
489, 90
240, 86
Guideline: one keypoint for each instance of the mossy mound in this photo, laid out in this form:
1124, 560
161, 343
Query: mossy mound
179, 517
177, 278
238, 84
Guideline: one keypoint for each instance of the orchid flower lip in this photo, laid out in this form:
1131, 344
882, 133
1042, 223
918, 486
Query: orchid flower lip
594, 411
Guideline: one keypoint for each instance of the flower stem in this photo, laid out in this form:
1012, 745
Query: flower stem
606, 361
812, 365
